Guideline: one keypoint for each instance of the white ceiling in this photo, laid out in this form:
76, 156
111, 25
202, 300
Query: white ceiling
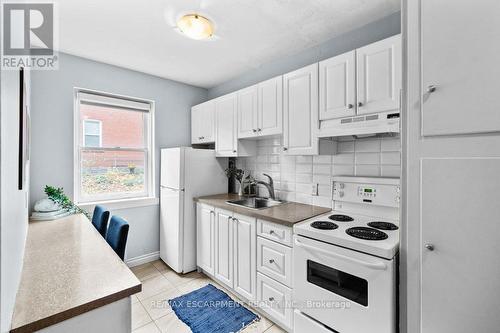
141, 35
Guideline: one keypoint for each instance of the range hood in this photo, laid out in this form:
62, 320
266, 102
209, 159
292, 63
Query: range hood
361, 125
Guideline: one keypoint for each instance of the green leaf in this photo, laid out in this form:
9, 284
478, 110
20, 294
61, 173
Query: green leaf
56, 194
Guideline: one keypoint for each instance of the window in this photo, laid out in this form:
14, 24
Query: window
113, 147
92, 130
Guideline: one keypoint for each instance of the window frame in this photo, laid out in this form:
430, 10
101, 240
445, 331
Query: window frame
100, 131
78, 134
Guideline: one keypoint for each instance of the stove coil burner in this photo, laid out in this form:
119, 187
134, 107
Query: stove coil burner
324, 225
383, 225
341, 218
366, 233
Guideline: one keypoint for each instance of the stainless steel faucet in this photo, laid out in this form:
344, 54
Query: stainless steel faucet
269, 186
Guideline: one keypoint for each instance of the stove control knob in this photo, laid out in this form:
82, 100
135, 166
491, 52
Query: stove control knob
341, 194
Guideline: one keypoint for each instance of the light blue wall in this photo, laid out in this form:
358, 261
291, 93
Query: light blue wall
52, 129
386, 27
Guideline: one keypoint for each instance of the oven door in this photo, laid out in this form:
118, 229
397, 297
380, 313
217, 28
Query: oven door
348, 291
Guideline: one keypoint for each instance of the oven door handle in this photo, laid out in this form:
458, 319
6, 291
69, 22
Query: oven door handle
378, 266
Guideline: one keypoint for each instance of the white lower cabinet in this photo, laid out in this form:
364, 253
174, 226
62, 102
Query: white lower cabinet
274, 260
275, 299
224, 247
205, 249
244, 256
233, 262
255, 268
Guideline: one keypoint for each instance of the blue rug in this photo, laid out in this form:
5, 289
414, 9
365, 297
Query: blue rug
209, 309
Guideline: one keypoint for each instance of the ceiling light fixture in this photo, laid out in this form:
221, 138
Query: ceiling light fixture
195, 26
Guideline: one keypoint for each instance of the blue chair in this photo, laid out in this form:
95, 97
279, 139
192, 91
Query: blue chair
100, 219
117, 235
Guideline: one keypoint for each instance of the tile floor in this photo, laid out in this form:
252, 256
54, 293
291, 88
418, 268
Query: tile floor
151, 312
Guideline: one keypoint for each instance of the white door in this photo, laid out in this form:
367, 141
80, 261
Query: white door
247, 112
205, 217
196, 121
460, 56
449, 253
379, 76
172, 168
270, 108
300, 111
171, 228
337, 86
225, 115
224, 247
460, 284
245, 269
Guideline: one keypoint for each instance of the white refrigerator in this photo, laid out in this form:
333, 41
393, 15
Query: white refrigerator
186, 173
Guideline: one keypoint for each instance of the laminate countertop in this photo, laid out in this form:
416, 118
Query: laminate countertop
287, 214
68, 269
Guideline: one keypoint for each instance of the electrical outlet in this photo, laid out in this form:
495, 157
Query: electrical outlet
314, 190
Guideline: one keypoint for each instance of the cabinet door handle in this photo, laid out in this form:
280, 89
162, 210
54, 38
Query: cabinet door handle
259, 129
271, 261
271, 299
271, 232
360, 104
234, 151
254, 130
285, 148
350, 106
432, 88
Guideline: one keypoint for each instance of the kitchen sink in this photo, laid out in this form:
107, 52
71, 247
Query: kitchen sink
256, 203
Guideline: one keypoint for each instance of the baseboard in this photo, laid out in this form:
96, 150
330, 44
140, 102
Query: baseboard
145, 258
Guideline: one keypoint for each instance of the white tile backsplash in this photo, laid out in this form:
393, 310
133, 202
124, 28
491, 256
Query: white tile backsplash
294, 176
367, 158
367, 145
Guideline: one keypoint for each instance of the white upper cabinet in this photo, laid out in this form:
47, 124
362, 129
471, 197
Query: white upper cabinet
247, 112
460, 60
307, 103
225, 129
203, 123
379, 76
337, 86
270, 107
260, 109
300, 111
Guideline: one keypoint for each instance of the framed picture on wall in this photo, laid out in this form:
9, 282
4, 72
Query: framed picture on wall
24, 131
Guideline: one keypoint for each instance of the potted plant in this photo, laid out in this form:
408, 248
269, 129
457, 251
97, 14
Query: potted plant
56, 194
238, 174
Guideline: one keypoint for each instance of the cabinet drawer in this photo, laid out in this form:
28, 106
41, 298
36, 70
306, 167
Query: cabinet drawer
275, 232
275, 300
274, 260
